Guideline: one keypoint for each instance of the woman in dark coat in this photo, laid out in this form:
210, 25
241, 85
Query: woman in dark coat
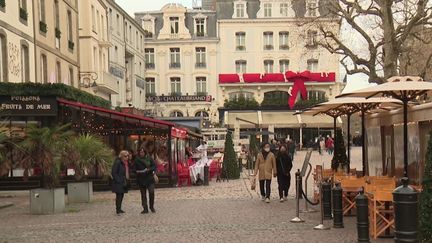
283, 166
145, 167
120, 175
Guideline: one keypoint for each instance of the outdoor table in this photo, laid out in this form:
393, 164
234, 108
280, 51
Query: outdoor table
198, 169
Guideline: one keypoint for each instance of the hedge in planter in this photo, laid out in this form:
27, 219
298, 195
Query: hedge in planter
58, 90
230, 164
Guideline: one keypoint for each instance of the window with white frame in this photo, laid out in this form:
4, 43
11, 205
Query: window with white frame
149, 58
268, 66
267, 10
240, 41
200, 27
283, 40
25, 64
240, 66
69, 25
312, 65
44, 69
316, 95
97, 22
174, 23
200, 53
284, 65
175, 86
201, 114
42, 11
237, 95
284, 9
150, 86
176, 114
201, 85
311, 39
118, 23
240, 10
311, 8
175, 58
268, 40
71, 77
148, 26
3, 59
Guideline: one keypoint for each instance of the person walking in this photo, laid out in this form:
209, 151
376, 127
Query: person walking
120, 175
145, 167
265, 166
322, 145
283, 167
330, 145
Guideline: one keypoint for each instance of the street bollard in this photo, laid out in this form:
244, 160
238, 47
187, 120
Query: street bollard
297, 219
327, 197
337, 206
206, 175
405, 200
321, 226
362, 217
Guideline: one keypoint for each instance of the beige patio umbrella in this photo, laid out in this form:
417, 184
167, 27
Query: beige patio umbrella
405, 89
348, 106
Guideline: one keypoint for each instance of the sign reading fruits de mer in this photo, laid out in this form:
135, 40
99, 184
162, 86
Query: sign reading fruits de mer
28, 105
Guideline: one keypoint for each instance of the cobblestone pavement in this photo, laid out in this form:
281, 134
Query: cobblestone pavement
221, 212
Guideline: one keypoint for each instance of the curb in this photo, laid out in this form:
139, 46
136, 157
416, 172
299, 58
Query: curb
6, 205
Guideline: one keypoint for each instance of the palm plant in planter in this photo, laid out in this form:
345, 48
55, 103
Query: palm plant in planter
85, 153
42, 147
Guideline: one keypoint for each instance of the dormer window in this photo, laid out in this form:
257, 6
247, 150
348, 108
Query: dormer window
311, 10
240, 9
148, 26
200, 25
267, 10
174, 21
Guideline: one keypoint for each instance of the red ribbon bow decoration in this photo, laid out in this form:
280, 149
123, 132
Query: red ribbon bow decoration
298, 79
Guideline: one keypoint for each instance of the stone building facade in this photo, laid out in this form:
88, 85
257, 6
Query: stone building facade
181, 59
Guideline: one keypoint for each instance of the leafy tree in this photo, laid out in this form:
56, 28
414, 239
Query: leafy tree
339, 156
230, 163
43, 147
425, 202
381, 29
85, 153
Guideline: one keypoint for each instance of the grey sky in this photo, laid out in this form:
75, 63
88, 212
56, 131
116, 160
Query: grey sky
132, 6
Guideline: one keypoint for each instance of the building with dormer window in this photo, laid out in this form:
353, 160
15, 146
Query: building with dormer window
180, 59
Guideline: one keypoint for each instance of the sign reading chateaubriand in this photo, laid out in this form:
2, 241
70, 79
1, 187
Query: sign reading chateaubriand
31, 105
202, 98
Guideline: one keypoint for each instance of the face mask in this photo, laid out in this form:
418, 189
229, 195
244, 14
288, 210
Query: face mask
267, 149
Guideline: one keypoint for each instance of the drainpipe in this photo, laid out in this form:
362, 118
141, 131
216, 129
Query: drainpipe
34, 43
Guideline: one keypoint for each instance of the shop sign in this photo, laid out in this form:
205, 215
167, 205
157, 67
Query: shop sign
28, 105
182, 98
116, 72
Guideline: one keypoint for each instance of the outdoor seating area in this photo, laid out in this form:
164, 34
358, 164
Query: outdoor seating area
192, 171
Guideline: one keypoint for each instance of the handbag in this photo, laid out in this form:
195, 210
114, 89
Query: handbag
253, 184
155, 178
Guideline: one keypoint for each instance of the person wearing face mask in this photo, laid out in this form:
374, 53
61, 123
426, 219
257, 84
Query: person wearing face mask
265, 167
284, 166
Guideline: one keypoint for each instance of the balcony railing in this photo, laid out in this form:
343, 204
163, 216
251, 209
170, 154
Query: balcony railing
71, 45
268, 47
23, 14
176, 94
2, 3
43, 27
240, 48
201, 93
57, 33
283, 47
311, 44
200, 65
150, 65
175, 65
150, 94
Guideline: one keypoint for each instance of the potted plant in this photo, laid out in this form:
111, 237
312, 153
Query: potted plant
86, 153
42, 147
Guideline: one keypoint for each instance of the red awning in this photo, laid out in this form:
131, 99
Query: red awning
229, 78
273, 77
112, 112
252, 77
178, 132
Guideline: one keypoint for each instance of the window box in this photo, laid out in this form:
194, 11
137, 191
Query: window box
43, 27
311, 45
57, 33
2, 3
201, 93
23, 14
150, 94
71, 45
150, 65
200, 34
175, 94
240, 48
268, 47
175, 65
283, 47
200, 65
